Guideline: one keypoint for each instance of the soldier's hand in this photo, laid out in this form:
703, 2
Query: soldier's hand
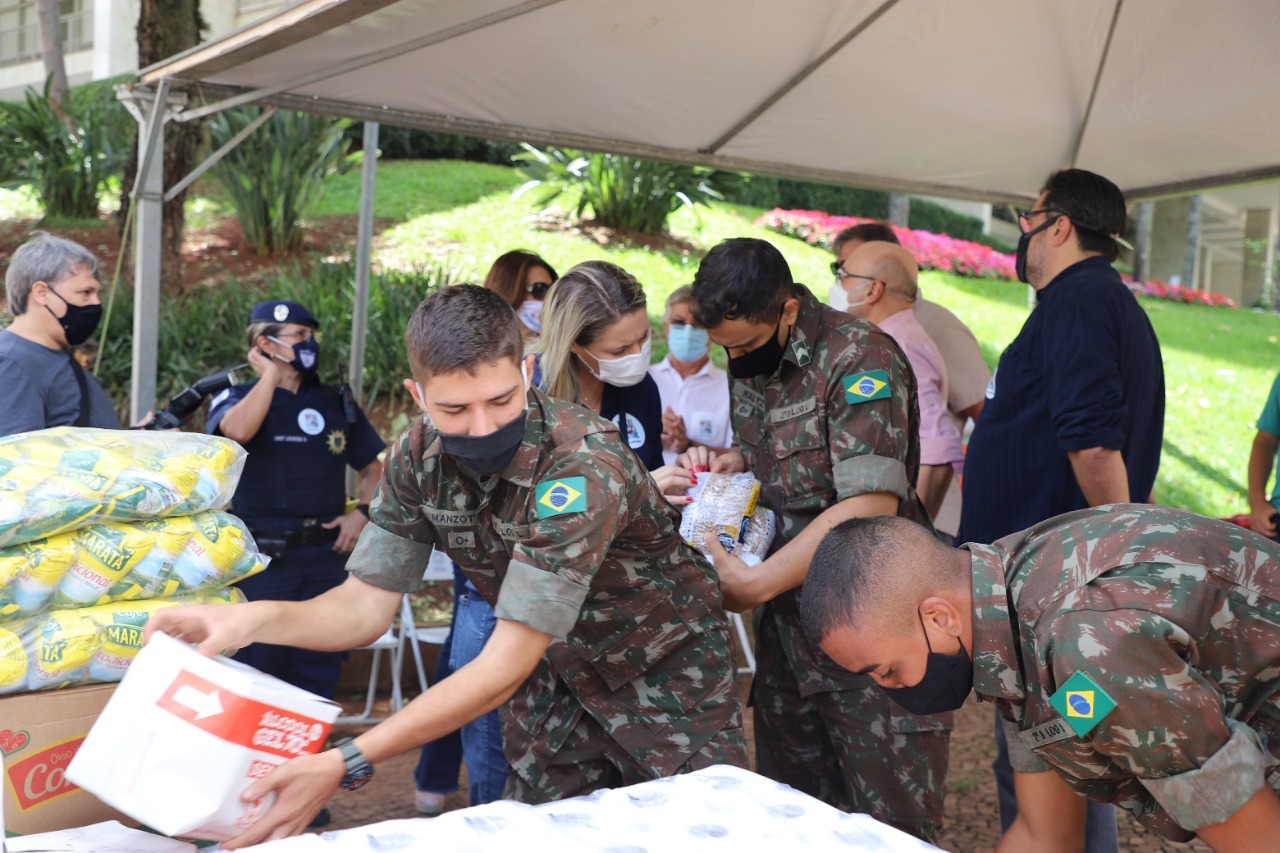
696, 458
1262, 520
673, 481
218, 629
739, 583
730, 462
349, 527
302, 786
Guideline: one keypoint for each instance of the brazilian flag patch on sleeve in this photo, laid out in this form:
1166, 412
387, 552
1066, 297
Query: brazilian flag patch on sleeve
864, 387
561, 497
1082, 703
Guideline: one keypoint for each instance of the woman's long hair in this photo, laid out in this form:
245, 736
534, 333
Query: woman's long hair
509, 271
579, 306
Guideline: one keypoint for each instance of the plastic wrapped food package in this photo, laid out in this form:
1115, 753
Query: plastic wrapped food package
65, 648
65, 478
102, 563
726, 506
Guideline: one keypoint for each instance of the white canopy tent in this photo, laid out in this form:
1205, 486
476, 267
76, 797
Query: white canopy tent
977, 100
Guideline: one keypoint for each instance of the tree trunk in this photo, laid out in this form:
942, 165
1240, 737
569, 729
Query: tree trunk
1193, 244
166, 27
55, 69
899, 209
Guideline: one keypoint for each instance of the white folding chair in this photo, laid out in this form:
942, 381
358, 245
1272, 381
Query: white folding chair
744, 641
439, 568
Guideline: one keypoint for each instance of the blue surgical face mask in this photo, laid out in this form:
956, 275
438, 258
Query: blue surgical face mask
687, 343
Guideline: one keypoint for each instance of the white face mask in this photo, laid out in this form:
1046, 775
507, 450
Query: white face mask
624, 371
530, 313
838, 297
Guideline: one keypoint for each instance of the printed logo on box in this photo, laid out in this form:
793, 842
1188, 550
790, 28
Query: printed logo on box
241, 721
41, 777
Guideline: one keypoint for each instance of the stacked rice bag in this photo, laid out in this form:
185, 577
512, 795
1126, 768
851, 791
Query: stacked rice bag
726, 507
98, 530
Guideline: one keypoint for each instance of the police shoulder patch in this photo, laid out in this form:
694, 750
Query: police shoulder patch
864, 387
561, 497
1082, 703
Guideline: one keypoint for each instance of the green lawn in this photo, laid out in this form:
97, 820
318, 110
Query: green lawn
1219, 363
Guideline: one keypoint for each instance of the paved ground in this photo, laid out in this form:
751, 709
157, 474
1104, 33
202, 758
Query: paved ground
972, 820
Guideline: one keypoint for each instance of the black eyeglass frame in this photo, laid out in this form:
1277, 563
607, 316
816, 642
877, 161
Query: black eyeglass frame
1023, 217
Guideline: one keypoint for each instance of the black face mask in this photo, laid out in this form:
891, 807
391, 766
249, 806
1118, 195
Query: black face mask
487, 454
1024, 242
79, 322
946, 683
761, 361
306, 355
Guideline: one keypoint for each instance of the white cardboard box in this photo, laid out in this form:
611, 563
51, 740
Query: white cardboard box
184, 735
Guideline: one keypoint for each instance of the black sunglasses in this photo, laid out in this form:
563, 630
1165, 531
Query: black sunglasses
538, 289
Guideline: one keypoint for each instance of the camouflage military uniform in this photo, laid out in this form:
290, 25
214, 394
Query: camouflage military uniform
1136, 650
573, 539
838, 419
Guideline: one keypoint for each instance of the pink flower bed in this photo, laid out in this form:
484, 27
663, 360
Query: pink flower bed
962, 257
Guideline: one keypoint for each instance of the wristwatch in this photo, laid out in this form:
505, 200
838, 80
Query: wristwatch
363, 509
359, 770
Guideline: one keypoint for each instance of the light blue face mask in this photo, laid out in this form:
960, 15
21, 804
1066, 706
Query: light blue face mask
687, 343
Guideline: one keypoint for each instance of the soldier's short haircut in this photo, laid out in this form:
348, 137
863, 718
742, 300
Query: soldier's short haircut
870, 572
865, 232
1095, 206
46, 258
462, 327
741, 278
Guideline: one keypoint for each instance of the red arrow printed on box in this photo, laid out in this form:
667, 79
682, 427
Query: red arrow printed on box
240, 720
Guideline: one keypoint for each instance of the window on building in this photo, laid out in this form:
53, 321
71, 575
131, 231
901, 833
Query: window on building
20, 29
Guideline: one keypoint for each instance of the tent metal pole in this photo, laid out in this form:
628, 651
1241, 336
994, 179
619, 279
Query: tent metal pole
798, 78
148, 200
213, 158
364, 261
1097, 79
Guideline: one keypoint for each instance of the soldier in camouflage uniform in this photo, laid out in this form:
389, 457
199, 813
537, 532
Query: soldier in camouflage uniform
612, 644
825, 416
1133, 649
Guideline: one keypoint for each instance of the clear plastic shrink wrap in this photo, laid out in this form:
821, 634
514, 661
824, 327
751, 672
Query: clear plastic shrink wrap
65, 648
725, 505
65, 478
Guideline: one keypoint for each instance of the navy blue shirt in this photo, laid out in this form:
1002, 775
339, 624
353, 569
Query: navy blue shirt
1085, 371
298, 459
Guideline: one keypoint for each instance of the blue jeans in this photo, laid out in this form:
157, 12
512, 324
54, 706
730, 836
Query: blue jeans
441, 759
487, 767
1100, 832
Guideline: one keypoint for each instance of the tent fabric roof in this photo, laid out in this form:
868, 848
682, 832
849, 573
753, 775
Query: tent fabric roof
973, 100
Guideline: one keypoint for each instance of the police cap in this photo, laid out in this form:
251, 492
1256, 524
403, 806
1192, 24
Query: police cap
282, 311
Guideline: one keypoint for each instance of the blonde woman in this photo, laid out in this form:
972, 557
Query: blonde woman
595, 351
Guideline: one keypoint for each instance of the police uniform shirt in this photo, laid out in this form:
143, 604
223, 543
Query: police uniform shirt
297, 461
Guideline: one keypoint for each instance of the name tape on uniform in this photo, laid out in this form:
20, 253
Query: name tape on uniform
561, 497
1082, 703
864, 387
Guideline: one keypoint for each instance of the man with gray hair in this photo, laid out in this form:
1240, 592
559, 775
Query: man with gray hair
52, 289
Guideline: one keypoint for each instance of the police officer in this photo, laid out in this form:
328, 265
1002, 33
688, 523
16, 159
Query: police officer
825, 416
612, 650
1133, 649
301, 436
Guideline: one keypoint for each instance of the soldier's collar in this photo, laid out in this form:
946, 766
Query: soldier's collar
997, 670
799, 349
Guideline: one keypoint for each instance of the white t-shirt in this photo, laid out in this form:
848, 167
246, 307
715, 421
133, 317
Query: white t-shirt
702, 400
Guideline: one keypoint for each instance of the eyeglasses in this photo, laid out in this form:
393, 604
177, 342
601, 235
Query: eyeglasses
839, 272
1024, 216
538, 289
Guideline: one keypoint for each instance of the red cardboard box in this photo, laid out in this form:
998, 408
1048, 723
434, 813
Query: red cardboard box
39, 733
